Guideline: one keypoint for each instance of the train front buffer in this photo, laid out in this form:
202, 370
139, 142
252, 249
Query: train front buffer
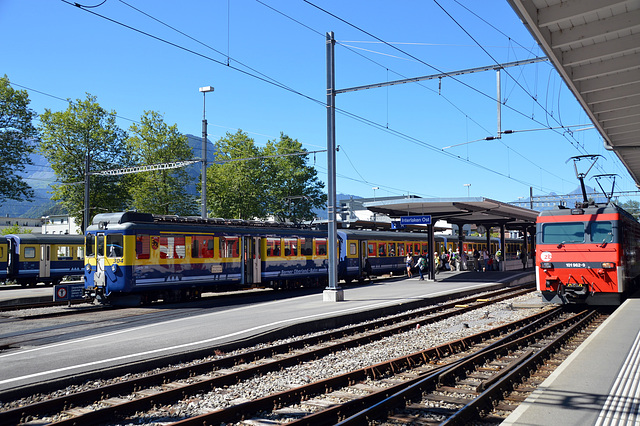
588, 275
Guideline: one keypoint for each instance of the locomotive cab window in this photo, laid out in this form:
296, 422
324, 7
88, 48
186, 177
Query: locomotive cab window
100, 245
90, 245
114, 245
601, 232
563, 232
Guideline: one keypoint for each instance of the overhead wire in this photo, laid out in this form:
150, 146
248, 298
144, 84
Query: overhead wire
280, 85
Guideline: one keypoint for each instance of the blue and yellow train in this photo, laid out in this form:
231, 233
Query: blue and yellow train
29, 259
133, 257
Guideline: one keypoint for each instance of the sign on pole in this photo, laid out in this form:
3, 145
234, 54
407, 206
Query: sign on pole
416, 220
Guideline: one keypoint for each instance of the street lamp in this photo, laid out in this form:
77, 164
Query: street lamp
374, 192
204, 91
468, 185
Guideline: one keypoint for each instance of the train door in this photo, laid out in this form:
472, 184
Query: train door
99, 277
363, 257
45, 260
251, 273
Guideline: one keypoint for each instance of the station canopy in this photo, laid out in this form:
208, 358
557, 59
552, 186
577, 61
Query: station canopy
595, 46
470, 210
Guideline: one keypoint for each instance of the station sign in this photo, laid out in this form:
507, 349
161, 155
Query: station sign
64, 292
416, 220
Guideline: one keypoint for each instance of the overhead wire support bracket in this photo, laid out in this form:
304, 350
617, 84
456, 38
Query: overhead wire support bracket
149, 168
441, 75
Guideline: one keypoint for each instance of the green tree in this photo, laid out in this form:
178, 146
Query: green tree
235, 189
16, 133
633, 207
294, 189
14, 229
159, 191
67, 136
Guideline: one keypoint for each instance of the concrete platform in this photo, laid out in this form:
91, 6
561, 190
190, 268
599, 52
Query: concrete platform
598, 384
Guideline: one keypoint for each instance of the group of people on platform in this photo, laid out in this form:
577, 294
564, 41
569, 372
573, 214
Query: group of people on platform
479, 261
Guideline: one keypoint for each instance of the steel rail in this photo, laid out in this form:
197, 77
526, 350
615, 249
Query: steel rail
158, 379
239, 412
415, 391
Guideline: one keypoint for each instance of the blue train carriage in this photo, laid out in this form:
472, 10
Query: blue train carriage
43, 258
137, 257
4, 256
365, 253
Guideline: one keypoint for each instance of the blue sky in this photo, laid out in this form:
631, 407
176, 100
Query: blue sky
396, 140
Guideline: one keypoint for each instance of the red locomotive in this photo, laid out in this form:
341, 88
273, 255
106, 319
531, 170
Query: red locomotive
587, 255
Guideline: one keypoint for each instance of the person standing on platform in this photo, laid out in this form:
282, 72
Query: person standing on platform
409, 264
422, 266
485, 260
476, 260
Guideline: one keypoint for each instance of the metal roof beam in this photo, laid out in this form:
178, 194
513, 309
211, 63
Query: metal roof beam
592, 30
612, 94
608, 116
616, 105
572, 9
603, 68
603, 83
600, 51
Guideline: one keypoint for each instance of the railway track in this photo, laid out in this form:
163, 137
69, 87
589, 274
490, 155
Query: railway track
451, 383
124, 398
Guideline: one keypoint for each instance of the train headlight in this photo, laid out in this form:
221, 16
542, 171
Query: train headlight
546, 265
88, 268
114, 268
608, 265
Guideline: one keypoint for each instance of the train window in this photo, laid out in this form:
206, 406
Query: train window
563, 232
229, 247
400, 249
353, 249
382, 249
306, 245
100, 244
89, 243
601, 232
80, 252
392, 249
143, 245
29, 252
290, 247
425, 248
321, 247
371, 249
172, 248
273, 247
64, 253
202, 246
114, 245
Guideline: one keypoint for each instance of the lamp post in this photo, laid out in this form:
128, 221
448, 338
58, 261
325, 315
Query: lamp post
204, 91
374, 192
468, 185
